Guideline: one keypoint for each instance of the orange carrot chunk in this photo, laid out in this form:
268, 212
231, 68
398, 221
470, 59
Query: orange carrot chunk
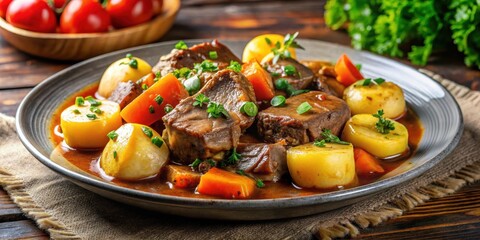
365, 163
260, 79
221, 183
347, 73
149, 107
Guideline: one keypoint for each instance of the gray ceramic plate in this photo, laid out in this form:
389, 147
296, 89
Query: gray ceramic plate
437, 109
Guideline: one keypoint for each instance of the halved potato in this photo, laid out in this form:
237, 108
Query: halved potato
259, 47
121, 71
132, 153
85, 127
361, 132
321, 167
369, 99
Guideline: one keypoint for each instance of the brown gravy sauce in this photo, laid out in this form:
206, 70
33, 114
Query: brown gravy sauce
87, 161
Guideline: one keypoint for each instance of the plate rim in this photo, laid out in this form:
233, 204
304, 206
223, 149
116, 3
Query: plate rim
286, 202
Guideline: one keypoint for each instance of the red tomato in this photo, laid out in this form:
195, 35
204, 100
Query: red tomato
3, 7
347, 73
157, 6
126, 13
33, 15
84, 16
57, 3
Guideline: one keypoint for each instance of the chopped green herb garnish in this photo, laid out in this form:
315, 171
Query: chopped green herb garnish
168, 108
296, 92
275, 74
278, 101
147, 131
216, 110
157, 141
281, 84
369, 81
183, 72
115, 154
282, 52
205, 66
76, 111
133, 63
192, 85
79, 101
290, 70
303, 108
249, 108
358, 66
319, 143
158, 75
235, 66
329, 137
112, 135
144, 86
200, 99
213, 54
258, 182
93, 102
269, 42
151, 109
366, 82
234, 157
181, 45
194, 164
383, 126
379, 80
96, 110
92, 116
158, 99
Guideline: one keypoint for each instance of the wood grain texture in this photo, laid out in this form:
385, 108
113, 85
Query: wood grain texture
453, 217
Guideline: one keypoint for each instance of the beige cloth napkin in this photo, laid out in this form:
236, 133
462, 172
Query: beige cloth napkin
67, 211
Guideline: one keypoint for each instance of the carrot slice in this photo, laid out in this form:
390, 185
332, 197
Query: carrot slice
260, 79
149, 107
347, 73
365, 163
221, 183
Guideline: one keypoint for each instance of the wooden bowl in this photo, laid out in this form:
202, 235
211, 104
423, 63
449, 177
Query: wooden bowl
82, 46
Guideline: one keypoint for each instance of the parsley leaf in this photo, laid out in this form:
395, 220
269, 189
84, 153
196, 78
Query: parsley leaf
200, 99
383, 126
216, 110
235, 66
205, 66
280, 51
329, 137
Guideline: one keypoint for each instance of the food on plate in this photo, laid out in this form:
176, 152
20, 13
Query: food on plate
126, 69
377, 135
370, 95
134, 152
260, 46
261, 129
86, 123
324, 166
78, 16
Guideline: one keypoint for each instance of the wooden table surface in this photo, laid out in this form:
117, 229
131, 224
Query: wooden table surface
452, 217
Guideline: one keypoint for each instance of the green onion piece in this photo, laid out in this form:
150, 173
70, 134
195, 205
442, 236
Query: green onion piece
269, 42
76, 111
96, 110
181, 45
205, 66
93, 102
358, 66
182, 72
129, 56
366, 82
278, 101
200, 99
147, 131
168, 108
133, 63
92, 116
151, 109
79, 101
281, 84
112, 135
192, 85
379, 80
144, 86
157, 141
158, 75
290, 70
275, 74
235, 66
249, 108
319, 143
115, 154
303, 108
195, 163
259, 183
213, 54
158, 99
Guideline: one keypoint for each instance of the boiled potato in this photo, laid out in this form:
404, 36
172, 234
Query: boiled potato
132, 153
369, 99
259, 47
361, 132
87, 126
321, 167
121, 71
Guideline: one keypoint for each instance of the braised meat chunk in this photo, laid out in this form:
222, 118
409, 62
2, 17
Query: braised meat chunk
265, 161
191, 133
298, 75
284, 124
125, 92
187, 58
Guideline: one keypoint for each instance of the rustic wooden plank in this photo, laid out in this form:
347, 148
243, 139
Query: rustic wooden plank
10, 99
21, 230
9, 211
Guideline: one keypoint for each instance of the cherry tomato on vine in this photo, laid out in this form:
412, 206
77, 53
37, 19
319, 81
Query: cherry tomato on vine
157, 6
84, 16
33, 15
3, 7
126, 13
